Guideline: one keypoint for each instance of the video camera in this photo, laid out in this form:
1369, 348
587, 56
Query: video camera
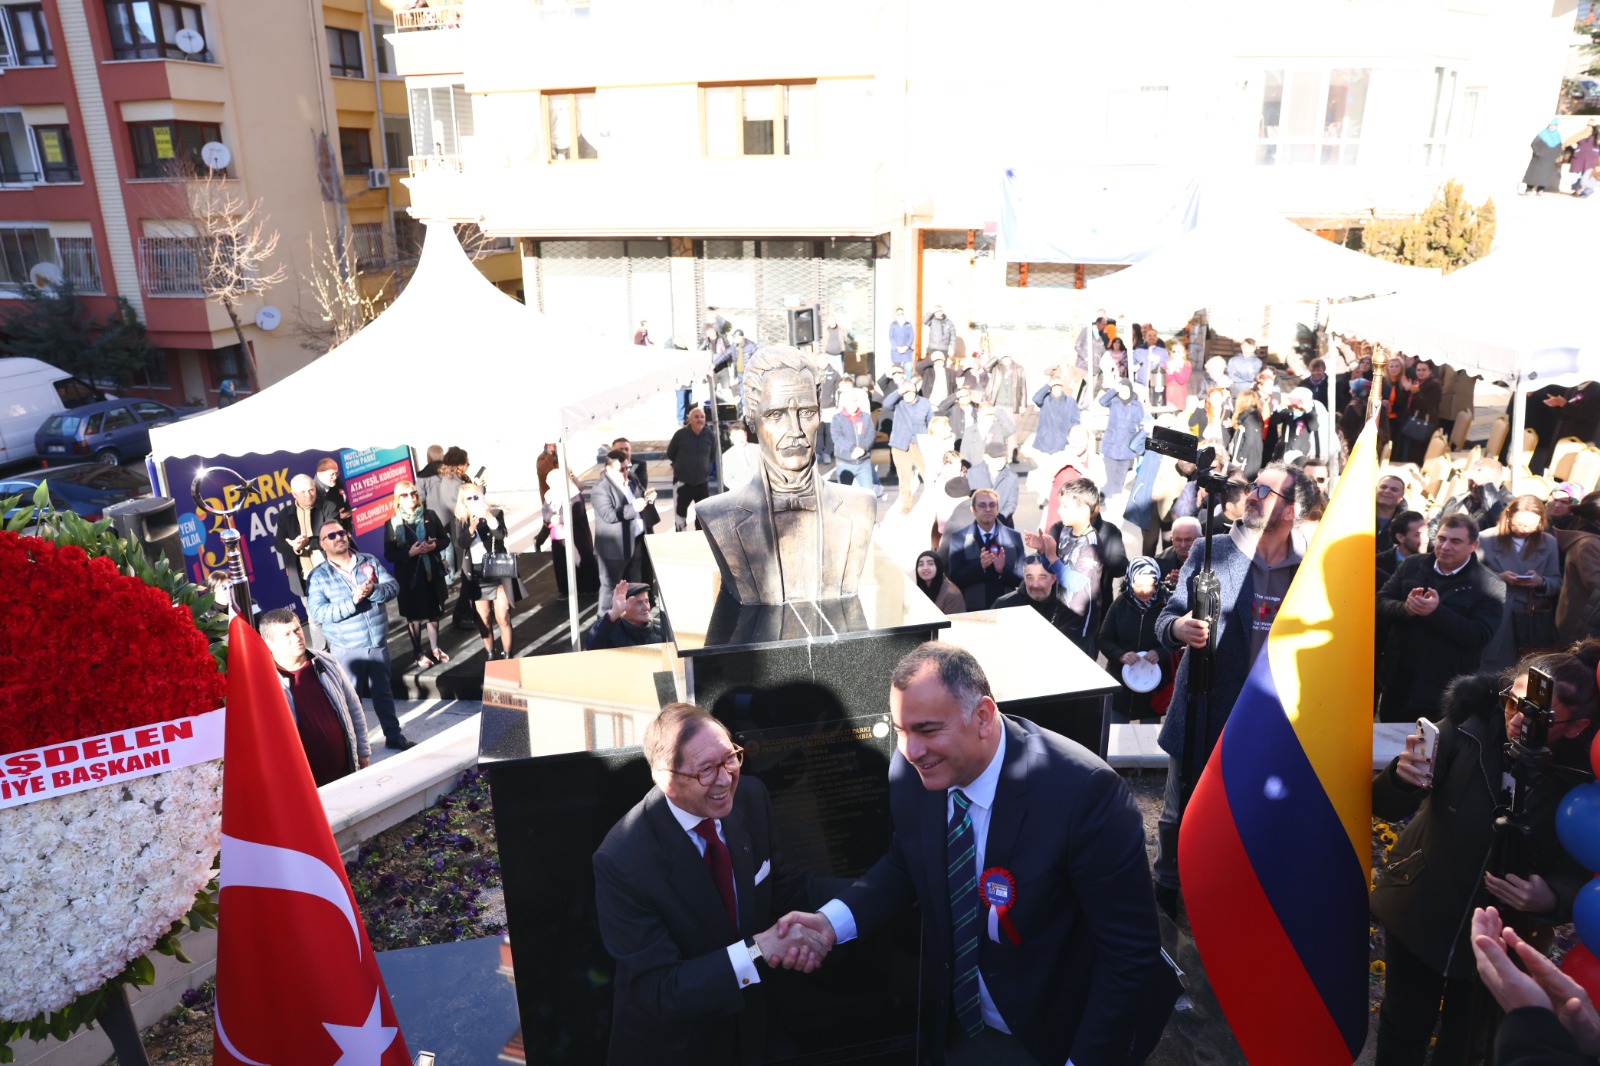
1527, 756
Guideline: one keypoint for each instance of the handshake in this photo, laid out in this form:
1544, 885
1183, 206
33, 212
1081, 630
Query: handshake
799, 941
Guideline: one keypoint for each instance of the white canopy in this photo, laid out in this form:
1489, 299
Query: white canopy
452, 360
1243, 258
1521, 314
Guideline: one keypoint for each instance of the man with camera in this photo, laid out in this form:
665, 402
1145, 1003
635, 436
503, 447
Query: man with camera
1254, 565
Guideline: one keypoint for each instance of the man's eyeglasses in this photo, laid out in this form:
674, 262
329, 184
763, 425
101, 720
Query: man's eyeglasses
337, 534
708, 775
1261, 492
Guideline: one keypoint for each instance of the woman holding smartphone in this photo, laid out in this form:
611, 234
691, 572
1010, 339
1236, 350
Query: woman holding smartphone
1527, 560
416, 546
481, 531
1441, 866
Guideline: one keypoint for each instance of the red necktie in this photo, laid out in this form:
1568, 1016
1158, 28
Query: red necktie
721, 867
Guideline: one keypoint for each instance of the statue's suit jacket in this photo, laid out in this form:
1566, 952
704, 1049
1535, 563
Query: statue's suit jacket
739, 526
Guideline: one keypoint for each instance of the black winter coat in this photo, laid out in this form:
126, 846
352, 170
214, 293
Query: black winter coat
1125, 629
1426, 895
1422, 655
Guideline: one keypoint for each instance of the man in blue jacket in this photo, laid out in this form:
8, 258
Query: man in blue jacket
346, 596
902, 338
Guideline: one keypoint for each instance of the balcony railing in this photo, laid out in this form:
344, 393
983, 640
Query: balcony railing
436, 164
426, 15
171, 266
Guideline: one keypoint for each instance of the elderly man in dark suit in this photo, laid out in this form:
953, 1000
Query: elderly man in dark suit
688, 887
986, 556
1254, 564
1040, 937
788, 534
297, 542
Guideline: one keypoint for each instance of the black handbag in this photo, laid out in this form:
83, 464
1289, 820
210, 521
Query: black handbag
498, 566
1534, 627
1416, 428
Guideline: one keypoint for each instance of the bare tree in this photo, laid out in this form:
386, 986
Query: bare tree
234, 246
343, 304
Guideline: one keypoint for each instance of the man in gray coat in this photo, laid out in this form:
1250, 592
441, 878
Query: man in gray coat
1254, 564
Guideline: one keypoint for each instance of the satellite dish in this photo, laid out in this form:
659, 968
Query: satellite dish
215, 155
42, 274
268, 318
189, 41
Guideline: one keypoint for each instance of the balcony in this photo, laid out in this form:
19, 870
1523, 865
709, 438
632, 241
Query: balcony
171, 266
437, 15
435, 164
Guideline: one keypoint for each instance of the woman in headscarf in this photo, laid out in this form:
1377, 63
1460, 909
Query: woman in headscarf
1584, 158
1544, 169
936, 586
1128, 635
415, 543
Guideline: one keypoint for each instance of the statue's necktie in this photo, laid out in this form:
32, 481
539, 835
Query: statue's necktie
962, 873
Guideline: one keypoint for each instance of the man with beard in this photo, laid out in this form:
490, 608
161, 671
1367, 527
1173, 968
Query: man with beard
1039, 592
628, 623
1254, 565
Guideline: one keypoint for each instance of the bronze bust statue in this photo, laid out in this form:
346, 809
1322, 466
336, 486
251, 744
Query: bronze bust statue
788, 534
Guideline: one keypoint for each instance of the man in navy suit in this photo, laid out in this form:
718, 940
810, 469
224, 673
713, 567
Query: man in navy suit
1026, 852
986, 557
687, 887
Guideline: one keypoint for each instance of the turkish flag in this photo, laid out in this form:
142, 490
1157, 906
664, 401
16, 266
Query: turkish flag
297, 982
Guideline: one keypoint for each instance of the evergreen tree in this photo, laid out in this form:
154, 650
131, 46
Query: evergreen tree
52, 325
1449, 234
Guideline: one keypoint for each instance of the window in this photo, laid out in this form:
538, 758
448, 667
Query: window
367, 241
396, 141
56, 159
441, 119
1442, 93
408, 234
162, 149
151, 374
28, 35
355, 150
21, 248
17, 166
75, 256
150, 411
759, 120
1312, 117
344, 53
148, 29
383, 50
229, 363
570, 121
119, 418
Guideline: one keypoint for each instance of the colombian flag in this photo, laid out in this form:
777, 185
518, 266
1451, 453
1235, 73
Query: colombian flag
1275, 853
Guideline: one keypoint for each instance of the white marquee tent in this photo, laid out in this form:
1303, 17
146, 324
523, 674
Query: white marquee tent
1522, 315
452, 360
1242, 259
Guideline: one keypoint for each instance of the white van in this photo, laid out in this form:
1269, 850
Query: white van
30, 392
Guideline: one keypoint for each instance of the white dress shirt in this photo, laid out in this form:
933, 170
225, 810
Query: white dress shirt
744, 967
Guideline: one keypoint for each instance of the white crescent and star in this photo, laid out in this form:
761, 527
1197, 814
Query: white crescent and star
247, 864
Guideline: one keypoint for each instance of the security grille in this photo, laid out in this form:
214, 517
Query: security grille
753, 283
78, 264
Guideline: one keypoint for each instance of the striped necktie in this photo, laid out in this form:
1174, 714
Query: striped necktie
962, 874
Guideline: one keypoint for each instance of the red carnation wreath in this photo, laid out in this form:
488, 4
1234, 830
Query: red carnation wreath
97, 642
90, 650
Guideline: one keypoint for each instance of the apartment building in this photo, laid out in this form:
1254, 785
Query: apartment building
105, 104
666, 160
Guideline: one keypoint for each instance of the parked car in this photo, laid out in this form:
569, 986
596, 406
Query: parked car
112, 432
86, 489
30, 393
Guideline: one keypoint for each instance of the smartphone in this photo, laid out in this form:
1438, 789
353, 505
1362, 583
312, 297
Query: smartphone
1430, 739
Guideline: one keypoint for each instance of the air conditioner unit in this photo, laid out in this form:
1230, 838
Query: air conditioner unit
377, 179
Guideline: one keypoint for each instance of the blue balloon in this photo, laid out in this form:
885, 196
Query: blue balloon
1578, 825
1586, 914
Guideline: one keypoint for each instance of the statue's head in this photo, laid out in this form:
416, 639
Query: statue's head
780, 402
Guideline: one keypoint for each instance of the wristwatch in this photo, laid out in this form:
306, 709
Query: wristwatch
755, 952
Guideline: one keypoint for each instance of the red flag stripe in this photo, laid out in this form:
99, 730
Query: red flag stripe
1270, 1001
